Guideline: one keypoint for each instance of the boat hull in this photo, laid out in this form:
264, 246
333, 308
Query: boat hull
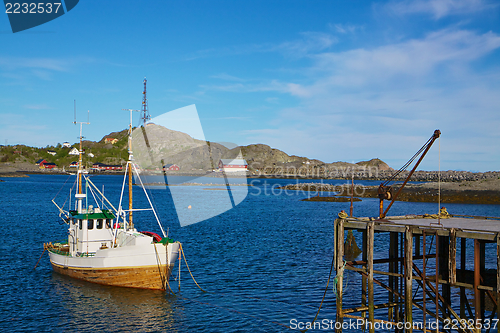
145, 277
146, 267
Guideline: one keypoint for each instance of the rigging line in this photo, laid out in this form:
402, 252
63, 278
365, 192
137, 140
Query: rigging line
149, 200
154, 202
103, 197
62, 187
68, 197
93, 195
121, 199
146, 141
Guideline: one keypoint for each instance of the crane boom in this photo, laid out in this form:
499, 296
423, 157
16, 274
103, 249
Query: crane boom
385, 192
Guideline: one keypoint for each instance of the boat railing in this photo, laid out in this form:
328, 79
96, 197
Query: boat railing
85, 254
57, 251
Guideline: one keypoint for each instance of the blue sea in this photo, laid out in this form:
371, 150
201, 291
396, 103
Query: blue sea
264, 263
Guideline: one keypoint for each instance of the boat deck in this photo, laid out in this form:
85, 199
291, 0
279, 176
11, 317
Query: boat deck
464, 227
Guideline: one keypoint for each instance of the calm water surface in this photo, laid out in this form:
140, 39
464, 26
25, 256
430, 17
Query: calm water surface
264, 263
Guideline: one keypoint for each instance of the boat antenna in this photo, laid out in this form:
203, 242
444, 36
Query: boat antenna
80, 169
385, 191
145, 113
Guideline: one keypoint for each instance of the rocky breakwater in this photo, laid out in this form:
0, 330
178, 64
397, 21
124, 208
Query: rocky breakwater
483, 191
276, 164
445, 176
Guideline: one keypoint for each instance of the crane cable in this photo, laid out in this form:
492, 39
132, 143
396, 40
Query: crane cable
409, 162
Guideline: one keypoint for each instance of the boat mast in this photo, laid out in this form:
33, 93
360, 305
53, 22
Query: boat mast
80, 151
80, 163
129, 167
131, 223
145, 117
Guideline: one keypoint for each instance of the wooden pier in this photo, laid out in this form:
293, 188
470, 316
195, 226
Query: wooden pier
426, 288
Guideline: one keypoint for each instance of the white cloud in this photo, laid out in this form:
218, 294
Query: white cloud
310, 42
385, 102
345, 28
37, 106
14, 63
18, 128
439, 8
449, 52
24, 69
227, 77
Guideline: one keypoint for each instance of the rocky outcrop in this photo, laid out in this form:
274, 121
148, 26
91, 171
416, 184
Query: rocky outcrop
375, 163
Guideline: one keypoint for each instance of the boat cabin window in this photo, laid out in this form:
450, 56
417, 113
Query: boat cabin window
90, 224
108, 223
80, 224
99, 224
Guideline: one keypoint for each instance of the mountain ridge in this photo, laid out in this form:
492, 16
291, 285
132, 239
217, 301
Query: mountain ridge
179, 148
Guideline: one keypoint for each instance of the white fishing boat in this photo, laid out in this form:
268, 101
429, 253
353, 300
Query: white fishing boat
103, 244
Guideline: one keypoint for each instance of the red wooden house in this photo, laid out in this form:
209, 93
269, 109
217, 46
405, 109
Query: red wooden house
171, 167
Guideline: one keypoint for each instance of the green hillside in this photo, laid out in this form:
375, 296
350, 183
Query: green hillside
103, 152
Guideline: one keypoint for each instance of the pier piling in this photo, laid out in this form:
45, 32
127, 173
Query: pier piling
422, 281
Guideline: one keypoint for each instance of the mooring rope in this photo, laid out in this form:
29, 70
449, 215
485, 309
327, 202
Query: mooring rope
44, 248
158, 262
169, 288
439, 179
336, 279
246, 314
243, 296
324, 294
190, 270
214, 305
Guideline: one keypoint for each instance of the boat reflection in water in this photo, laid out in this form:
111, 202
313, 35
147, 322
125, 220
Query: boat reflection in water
86, 306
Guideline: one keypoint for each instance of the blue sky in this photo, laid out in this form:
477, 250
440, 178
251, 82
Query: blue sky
332, 80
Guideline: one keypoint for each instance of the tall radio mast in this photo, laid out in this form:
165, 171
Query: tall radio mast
145, 114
